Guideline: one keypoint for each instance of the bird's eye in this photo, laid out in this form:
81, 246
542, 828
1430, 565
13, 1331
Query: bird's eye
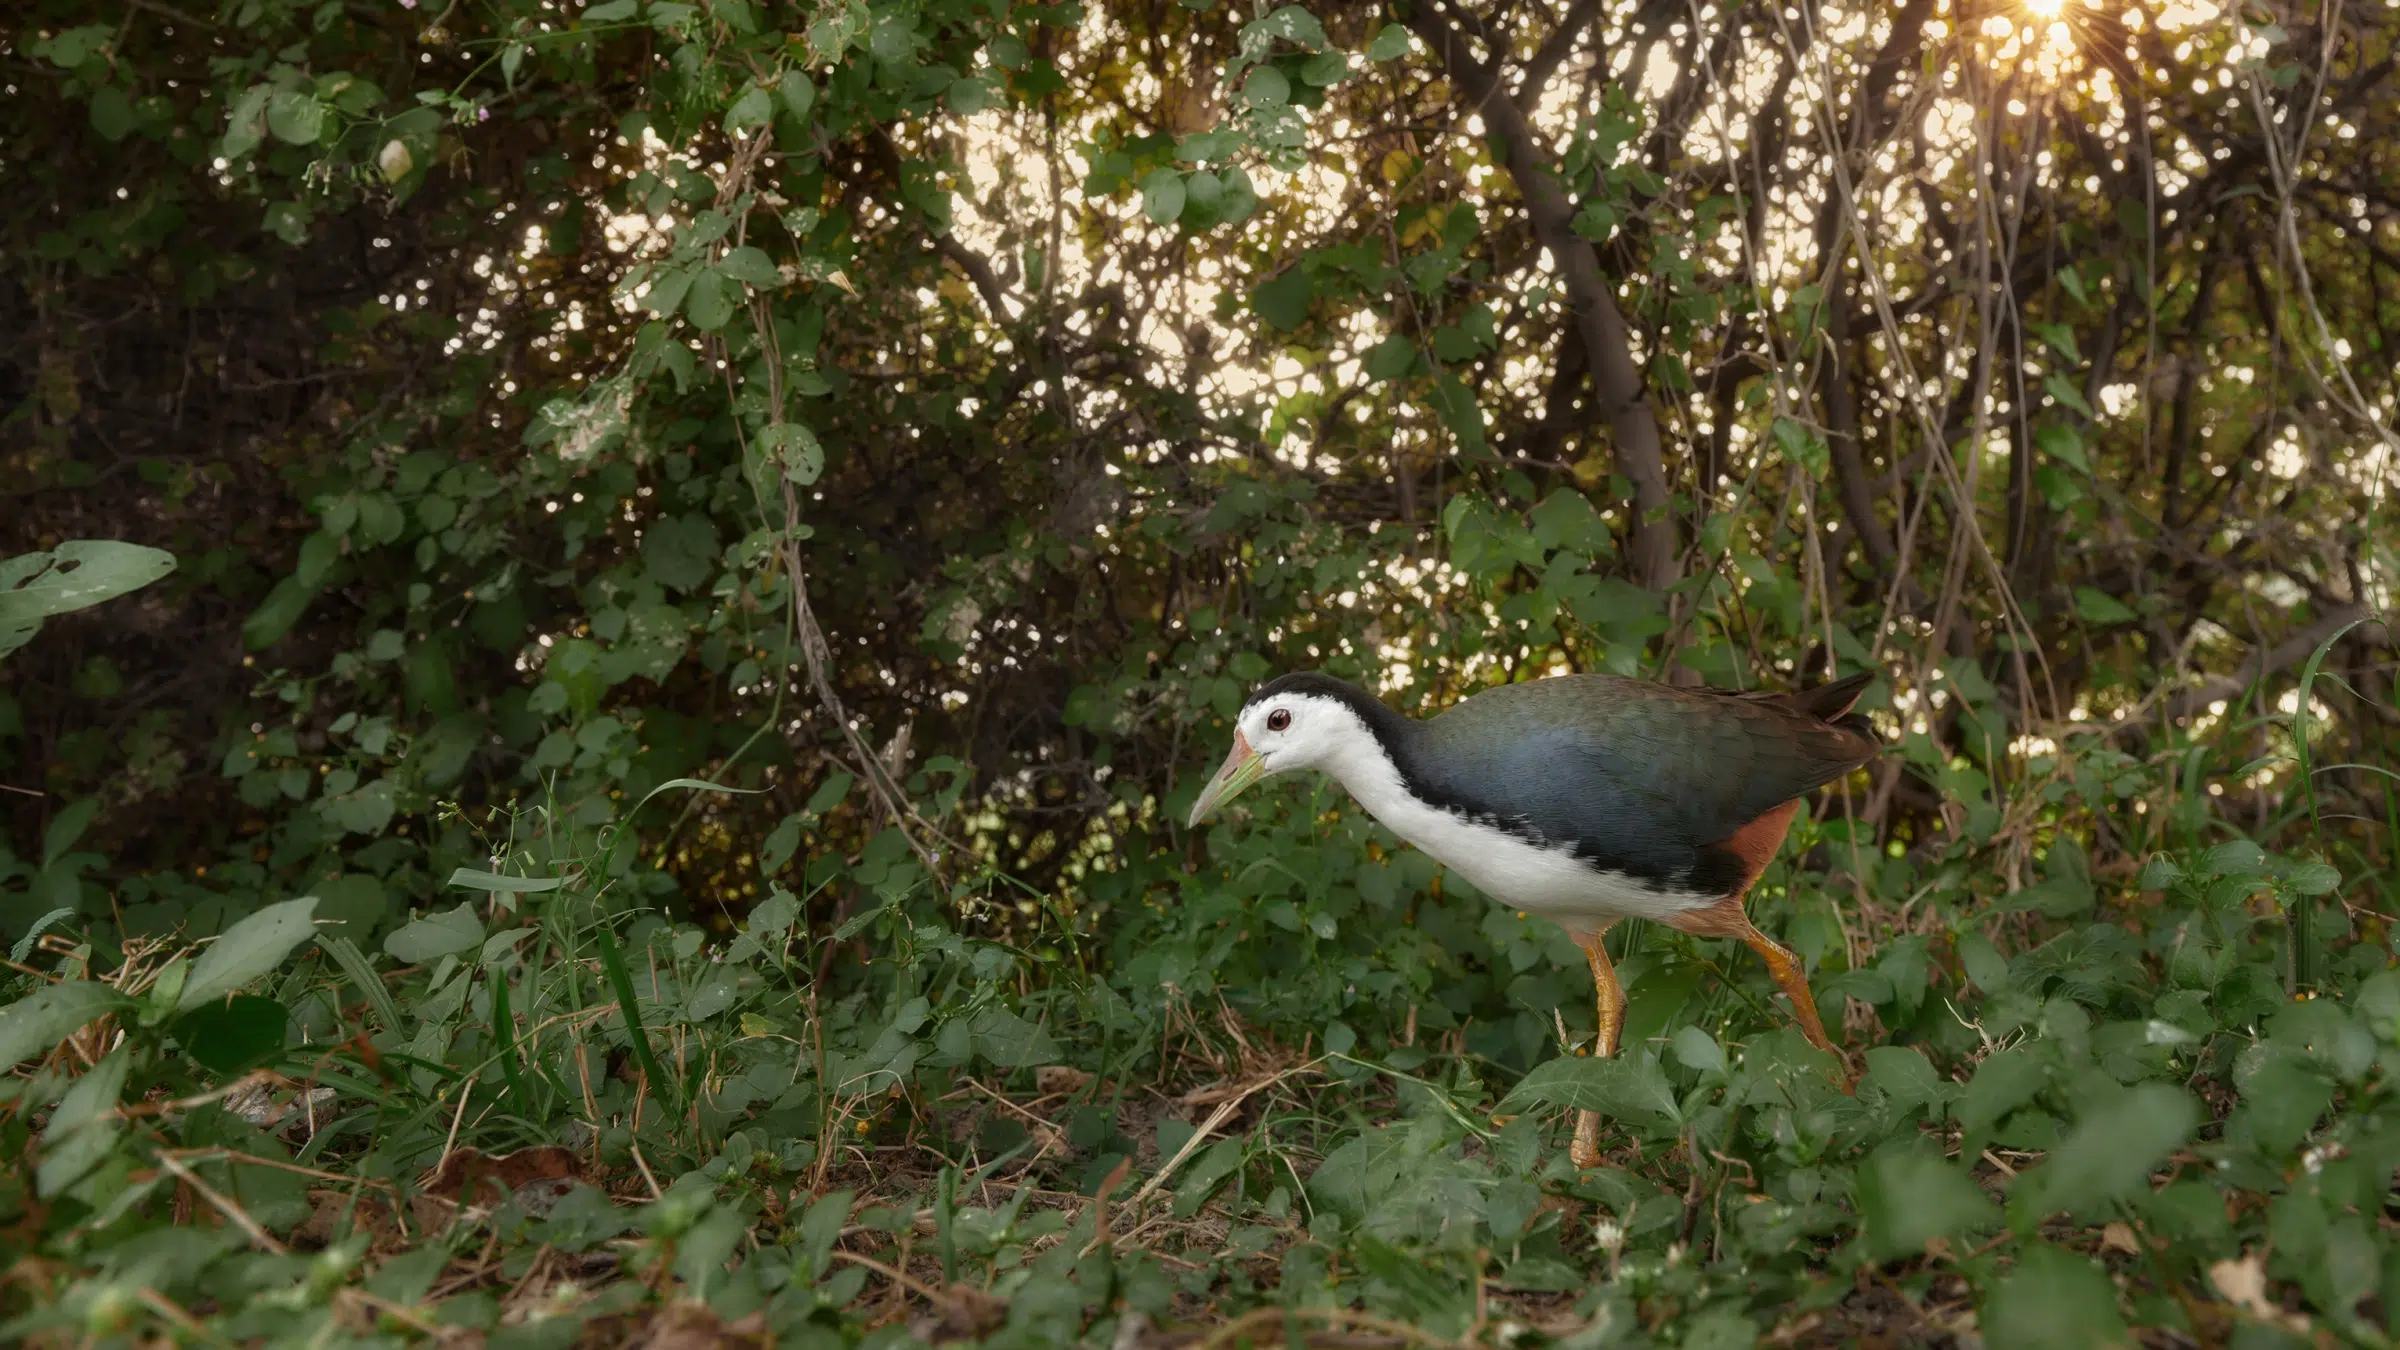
1279, 719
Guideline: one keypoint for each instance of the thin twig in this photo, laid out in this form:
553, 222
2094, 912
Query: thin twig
241, 1217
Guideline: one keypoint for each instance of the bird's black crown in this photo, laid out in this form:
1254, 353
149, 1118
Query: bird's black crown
1387, 725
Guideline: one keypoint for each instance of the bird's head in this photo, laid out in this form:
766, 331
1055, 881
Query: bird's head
1301, 721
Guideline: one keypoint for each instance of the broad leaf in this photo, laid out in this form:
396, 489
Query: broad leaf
436, 935
75, 575
249, 949
32, 1025
235, 1036
1625, 1085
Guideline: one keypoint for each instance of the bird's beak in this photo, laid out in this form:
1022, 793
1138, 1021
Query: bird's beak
1241, 768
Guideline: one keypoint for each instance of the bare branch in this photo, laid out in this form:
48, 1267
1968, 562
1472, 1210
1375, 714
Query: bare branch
1606, 339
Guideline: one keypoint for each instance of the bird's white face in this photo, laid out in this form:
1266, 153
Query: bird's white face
1280, 734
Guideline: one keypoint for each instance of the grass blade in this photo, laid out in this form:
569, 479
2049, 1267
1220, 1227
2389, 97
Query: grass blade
504, 1023
620, 980
354, 964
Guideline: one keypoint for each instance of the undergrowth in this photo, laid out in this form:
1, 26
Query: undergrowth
1298, 1087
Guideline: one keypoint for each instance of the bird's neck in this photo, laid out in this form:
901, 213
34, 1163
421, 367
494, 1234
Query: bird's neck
1374, 771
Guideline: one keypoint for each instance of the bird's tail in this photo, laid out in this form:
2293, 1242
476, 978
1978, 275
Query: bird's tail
1832, 702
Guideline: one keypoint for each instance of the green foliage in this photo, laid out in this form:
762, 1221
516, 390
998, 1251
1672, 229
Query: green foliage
75, 575
1418, 1157
710, 548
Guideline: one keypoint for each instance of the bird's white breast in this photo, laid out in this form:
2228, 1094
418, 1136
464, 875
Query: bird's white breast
1544, 879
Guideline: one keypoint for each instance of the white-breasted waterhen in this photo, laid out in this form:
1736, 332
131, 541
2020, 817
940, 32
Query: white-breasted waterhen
1583, 798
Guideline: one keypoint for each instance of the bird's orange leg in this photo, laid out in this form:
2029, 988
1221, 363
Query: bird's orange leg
1755, 844
1787, 971
1609, 1017
1725, 919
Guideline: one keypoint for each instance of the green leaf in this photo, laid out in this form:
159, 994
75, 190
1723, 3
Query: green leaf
680, 552
1698, 1051
2066, 393
2052, 1300
829, 794
751, 266
1456, 406
1324, 69
609, 11
666, 290
1802, 446
1205, 197
470, 879
1903, 1073
23, 950
892, 37
2064, 444
1291, 24
2066, 886
2110, 1154
84, 1125
287, 221
2005, 1081
76, 575
712, 300
446, 933
822, 1227
774, 915
112, 113
1203, 146
794, 450
248, 950
1208, 1171
1624, 1085
246, 125
1010, 1041
32, 1025
2282, 1100
1267, 89
1565, 520
836, 27
354, 964
1163, 196
235, 1036
74, 46
66, 828
2312, 878
1908, 1195
1389, 45
2099, 607
1391, 358
1241, 196
296, 118
2059, 338
2234, 858
1596, 221
798, 92
755, 108
1283, 301
971, 94
276, 614
366, 810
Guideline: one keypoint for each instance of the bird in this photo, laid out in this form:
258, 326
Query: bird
1584, 798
